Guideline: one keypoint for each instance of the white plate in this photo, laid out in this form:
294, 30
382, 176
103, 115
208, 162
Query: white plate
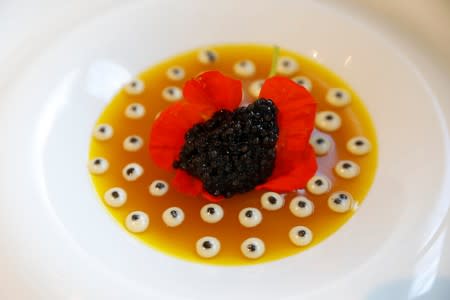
69, 248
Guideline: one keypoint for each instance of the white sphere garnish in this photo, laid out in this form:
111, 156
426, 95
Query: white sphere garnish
318, 185
132, 172
135, 111
208, 247
158, 188
98, 165
272, 201
103, 132
359, 145
115, 197
175, 73
207, 56
255, 88
244, 68
300, 235
320, 143
338, 97
340, 202
347, 169
253, 248
250, 217
133, 143
135, 87
137, 221
172, 93
211, 213
287, 66
173, 216
301, 207
328, 121
303, 81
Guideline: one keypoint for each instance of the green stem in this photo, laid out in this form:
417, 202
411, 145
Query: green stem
275, 56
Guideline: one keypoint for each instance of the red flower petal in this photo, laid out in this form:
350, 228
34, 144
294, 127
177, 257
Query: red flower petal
187, 184
211, 198
215, 90
302, 169
168, 130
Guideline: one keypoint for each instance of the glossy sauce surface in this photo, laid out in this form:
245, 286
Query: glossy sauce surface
274, 229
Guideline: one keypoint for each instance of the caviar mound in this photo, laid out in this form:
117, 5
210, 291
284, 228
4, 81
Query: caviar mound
233, 151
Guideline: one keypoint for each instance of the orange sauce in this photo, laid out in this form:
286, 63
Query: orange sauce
180, 241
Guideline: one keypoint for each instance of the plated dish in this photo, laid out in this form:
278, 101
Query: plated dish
164, 165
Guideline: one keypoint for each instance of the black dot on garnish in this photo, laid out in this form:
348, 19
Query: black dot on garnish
249, 213
211, 56
115, 194
329, 117
134, 108
171, 91
301, 81
339, 94
301, 233
251, 247
302, 204
346, 165
272, 200
210, 210
160, 185
359, 143
133, 83
135, 217
318, 182
343, 196
243, 63
207, 245
133, 140
130, 171
176, 71
97, 162
337, 201
320, 141
102, 129
286, 63
173, 213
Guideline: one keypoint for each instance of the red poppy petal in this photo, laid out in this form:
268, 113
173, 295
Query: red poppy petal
187, 184
211, 198
215, 90
302, 169
168, 130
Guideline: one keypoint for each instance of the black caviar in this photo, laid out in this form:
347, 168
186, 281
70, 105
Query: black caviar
232, 152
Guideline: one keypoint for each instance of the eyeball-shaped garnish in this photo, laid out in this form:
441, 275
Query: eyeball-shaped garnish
359, 145
287, 66
133, 143
135, 111
115, 197
173, 216
132, 172
211, 213
320, 143
98, 166
340, 202
303, 81
103, 132
347, 169
338, 97
328, 121
301, 207
300, 235
250, 217
318, 185
137, 221
208, 247
158, 188
175, 73
272, 201
172, 93
253, 248
207, 56
255, 88
244, 68
134, 87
